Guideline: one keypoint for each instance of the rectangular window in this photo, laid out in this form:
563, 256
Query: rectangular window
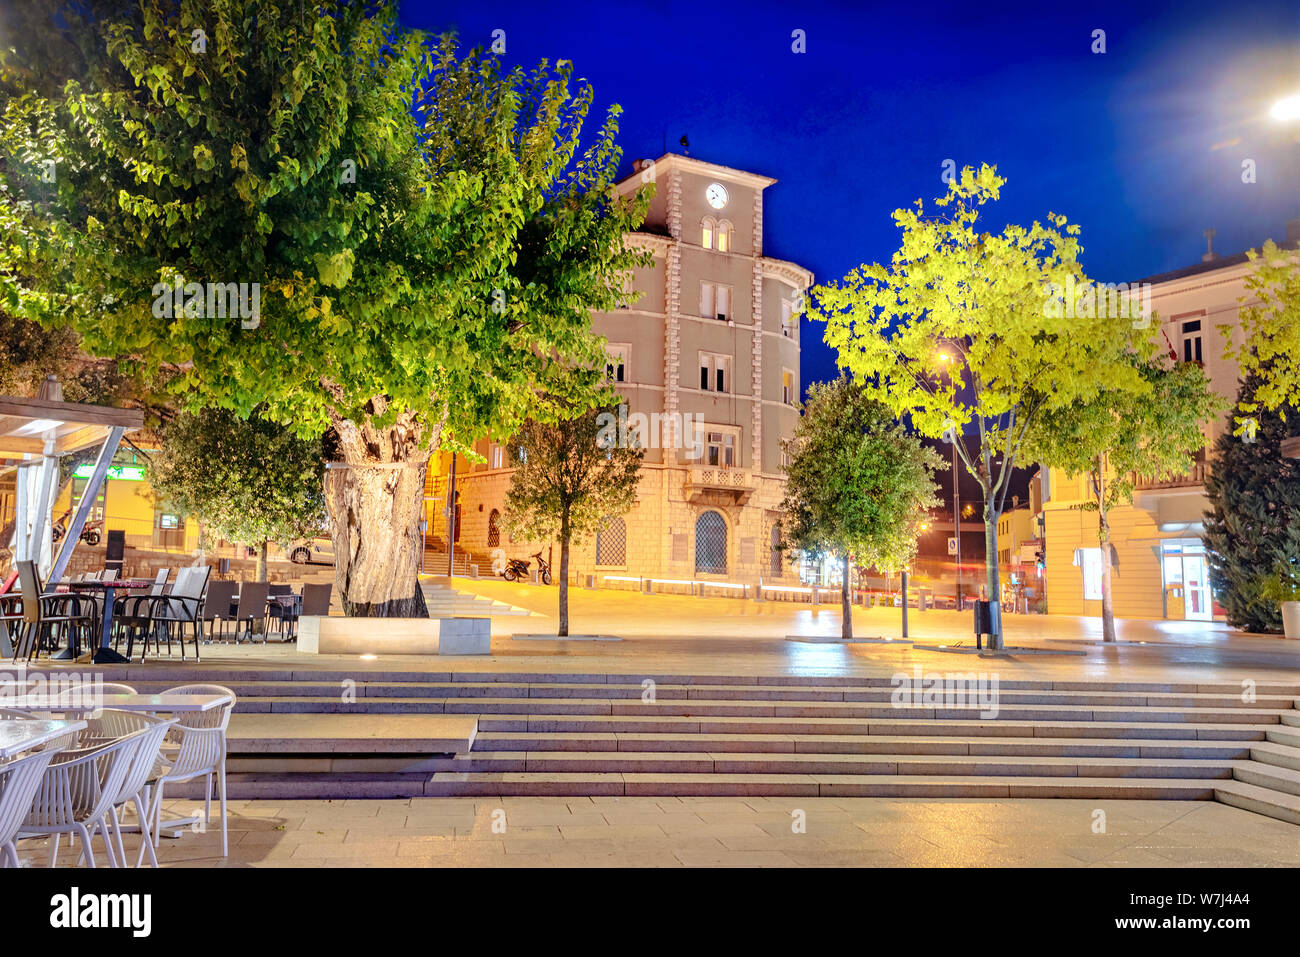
724, 302
787, 314
708, 299
169, 520
498, 456
617, 362
715, 372
1090, 563
720, 449
1192, 341
787, 387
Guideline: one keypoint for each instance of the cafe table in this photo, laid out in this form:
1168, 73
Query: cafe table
104, 654
22, 734
148, 703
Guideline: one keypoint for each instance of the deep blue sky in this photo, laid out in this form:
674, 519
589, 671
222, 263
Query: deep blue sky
1142, 145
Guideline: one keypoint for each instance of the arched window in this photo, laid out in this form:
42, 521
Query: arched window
723, 237
710, 544
708, 229
611, 543
494, 529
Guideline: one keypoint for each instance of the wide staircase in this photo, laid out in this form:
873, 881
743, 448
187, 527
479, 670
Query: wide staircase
301, 734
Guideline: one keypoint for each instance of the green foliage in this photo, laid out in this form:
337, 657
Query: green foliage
1270, 348
448, 282
247, 481
1153, 430
569, 478
1252, 530
856, 483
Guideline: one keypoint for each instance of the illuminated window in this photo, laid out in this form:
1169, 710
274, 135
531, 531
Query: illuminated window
787, 387
724, 237
707, 230
498, 457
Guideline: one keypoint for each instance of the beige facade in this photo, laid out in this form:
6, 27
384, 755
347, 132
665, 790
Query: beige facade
707, 361
1161, 569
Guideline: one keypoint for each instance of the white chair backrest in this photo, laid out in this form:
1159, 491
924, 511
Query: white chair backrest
218, 717
81, 785
146, 756
19, 781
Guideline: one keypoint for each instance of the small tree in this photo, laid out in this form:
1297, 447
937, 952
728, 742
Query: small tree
857, 486
1118, 435
1253, 526
251, 482
571, 476
972, 332
1270, 349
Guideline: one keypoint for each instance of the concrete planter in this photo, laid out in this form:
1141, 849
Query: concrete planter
1291, 618
333, 635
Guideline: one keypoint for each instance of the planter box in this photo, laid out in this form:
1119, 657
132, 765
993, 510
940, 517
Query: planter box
1291, 618
334, 635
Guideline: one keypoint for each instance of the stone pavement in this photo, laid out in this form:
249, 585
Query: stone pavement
706, 832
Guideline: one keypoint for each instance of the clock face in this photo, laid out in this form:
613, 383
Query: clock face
716, 194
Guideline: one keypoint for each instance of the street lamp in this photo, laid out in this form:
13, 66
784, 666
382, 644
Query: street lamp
1287, 109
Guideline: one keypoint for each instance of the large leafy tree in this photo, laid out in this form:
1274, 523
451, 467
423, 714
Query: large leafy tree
1117, 435
1270, 349
426, 231
246, 480
1252, 529
857, 486
572, 476
976, 334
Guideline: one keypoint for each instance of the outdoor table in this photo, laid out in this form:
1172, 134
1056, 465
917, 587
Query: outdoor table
104, 654
149, 703
22, 734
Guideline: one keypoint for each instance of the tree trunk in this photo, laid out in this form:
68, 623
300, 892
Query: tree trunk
374, 504
992, 580
259, 573
1103, 535
846, 604
565, 534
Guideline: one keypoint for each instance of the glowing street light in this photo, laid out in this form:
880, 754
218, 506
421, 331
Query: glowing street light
1287, 109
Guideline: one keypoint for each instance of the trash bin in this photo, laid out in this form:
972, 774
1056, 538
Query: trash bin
986, 620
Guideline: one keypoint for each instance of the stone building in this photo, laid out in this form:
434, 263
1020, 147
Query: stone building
707, 360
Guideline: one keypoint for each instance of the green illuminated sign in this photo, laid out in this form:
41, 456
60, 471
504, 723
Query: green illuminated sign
127, 473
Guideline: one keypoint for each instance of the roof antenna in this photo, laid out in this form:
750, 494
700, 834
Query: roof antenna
1209, 255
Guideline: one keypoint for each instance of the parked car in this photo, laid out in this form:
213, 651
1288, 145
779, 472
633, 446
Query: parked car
314, 551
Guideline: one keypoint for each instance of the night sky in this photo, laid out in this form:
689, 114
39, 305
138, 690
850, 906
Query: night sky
1142, 146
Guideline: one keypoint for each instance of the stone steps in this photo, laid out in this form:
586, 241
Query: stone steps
314, 732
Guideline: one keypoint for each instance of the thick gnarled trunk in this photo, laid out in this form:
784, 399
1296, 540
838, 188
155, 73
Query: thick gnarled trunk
374, 498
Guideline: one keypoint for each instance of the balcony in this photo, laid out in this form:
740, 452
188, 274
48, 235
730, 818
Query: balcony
718, 485
1193, 478
1176, 503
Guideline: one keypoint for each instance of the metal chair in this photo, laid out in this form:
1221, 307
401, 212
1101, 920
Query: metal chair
198, 750
252, 608
19, 781
216, 605
42, 614
76, 793
181, 606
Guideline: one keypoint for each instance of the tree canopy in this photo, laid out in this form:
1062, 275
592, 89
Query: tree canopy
977, 334
1270, 349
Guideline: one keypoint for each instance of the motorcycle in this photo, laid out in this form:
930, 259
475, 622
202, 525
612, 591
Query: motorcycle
517, 569
90, 533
